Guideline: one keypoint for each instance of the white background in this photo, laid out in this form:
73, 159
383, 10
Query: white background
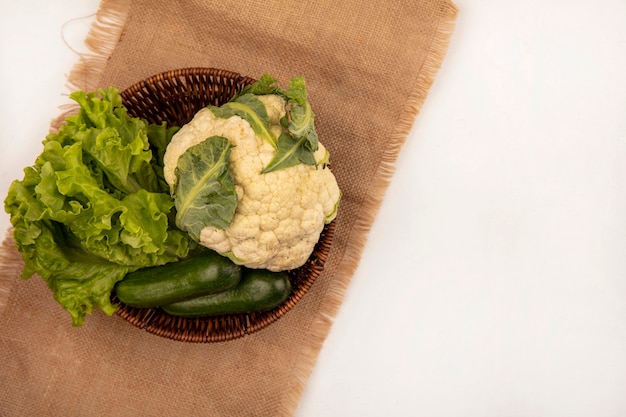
494, 280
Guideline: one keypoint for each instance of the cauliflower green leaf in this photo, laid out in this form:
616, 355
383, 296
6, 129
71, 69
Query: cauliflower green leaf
205, 194
251, 109
297, 92
290, 152
298, 141
265, 85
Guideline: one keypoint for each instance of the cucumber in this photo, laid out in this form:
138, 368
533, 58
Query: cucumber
258, 290
205, 273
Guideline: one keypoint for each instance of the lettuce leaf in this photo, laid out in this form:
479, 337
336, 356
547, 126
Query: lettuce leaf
205, 195
94, 206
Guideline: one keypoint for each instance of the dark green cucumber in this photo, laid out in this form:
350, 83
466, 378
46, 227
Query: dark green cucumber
258, 290
205, 273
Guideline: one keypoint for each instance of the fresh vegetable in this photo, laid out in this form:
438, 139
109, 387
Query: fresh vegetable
205, 273
95, 205
285, 190
205, 194
258, 290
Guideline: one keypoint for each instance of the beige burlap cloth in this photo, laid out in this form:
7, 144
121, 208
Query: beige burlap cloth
368, 65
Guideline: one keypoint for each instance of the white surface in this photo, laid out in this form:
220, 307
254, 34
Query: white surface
499, 249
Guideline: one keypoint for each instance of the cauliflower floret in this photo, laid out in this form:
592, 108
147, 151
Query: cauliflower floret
280, 214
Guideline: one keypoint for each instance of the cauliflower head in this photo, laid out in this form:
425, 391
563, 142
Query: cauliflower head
279, 214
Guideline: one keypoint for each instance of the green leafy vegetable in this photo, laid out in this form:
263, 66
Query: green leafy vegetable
298, 141
265, 85
94, 206
205, 195
159, 137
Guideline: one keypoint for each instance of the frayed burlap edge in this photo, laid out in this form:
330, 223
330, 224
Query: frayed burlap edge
104, 35
12, 266
362, 226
